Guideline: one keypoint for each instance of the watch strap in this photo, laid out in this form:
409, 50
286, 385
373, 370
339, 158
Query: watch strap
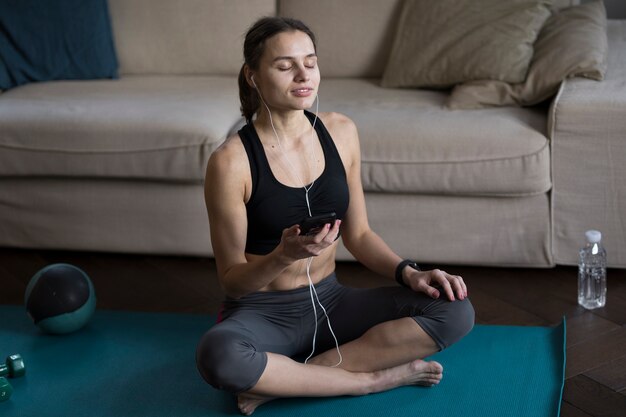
400, 268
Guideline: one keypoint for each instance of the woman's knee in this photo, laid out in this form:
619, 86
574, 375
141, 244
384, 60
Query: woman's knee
228, 362
464, 317
448, 321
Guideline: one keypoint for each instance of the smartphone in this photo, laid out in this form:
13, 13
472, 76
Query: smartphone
312, 225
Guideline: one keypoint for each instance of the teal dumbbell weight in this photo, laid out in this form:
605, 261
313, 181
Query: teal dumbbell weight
5, 389
13, 367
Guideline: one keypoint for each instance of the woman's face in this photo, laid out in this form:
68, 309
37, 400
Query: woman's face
288, 76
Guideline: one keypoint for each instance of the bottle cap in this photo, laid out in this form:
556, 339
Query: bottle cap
593, 236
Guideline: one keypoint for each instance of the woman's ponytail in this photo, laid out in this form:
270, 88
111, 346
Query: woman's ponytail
248, 97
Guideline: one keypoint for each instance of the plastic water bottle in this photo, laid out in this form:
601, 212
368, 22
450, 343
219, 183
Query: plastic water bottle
592, 272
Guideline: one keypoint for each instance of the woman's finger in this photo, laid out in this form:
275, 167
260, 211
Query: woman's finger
428, 290
441, 277
321, 235
327, 234
463, 287
457, 286
333, 233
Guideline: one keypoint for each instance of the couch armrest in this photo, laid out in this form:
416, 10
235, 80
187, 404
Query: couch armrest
588, 133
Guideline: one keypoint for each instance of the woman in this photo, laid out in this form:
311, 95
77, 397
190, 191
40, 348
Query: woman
283, 300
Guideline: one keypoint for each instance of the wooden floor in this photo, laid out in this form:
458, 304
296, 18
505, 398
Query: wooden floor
596, 340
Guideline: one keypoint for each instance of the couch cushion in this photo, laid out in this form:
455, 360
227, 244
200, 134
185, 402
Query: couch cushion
561, 4
411, 143
442, 43
137, 127
183, 36
55, 40
337, 24
572, 43
354, 37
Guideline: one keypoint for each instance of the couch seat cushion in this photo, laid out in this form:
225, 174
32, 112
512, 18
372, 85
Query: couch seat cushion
161, 128
412, 144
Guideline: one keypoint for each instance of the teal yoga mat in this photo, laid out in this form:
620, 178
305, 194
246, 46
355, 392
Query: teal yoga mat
142, 364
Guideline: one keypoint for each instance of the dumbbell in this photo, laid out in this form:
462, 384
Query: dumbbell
5, 389
13, 367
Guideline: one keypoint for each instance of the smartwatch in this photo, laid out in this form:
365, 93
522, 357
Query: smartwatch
400, 268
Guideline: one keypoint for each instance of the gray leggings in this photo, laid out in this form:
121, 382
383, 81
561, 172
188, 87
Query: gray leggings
232, 354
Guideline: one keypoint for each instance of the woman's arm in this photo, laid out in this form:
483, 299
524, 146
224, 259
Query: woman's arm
225, 188
367, 246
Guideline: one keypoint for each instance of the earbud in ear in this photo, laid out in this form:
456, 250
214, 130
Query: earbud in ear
252, 79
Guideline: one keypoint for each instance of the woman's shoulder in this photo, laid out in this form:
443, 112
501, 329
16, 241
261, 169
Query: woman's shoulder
231, 147
229, 156
344, 133
336, 120
341, 128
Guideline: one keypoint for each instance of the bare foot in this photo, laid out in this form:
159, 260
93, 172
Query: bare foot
247, 403
418, 372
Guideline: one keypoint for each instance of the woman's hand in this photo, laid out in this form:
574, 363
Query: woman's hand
427, 281
296, 246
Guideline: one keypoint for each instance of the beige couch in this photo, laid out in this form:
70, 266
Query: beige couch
118, 165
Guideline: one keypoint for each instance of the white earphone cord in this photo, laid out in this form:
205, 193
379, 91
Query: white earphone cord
330, 327
308, 204
294, 172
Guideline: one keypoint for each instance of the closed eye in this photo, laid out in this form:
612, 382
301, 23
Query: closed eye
285, 63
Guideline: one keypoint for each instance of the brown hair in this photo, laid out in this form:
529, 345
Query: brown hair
253, 48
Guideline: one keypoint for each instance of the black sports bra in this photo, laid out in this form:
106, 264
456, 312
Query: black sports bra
274, 206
